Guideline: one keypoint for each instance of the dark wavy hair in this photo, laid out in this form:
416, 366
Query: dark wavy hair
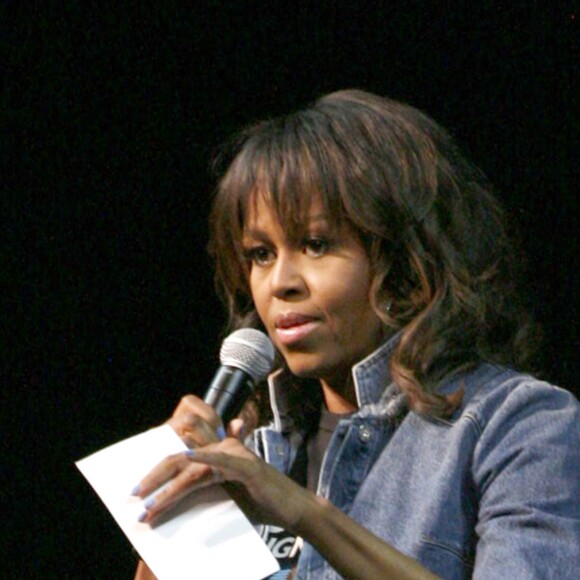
444, 271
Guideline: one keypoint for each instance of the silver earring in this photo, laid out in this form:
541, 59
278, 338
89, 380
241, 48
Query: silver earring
389, 305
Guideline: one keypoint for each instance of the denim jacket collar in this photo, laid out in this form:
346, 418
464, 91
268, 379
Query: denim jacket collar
372, 375
372, 383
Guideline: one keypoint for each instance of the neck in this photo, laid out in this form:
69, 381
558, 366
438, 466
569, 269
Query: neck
339, 401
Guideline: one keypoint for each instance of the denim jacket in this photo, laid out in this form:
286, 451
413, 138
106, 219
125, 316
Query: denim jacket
493, 492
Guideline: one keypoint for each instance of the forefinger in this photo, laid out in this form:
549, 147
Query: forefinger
171, 466
184, 477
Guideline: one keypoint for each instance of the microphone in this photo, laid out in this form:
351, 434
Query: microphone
246, 356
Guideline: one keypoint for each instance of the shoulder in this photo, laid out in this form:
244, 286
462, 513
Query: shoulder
524, 426
496, 396
513, 417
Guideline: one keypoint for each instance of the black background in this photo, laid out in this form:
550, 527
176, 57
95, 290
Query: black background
110, 113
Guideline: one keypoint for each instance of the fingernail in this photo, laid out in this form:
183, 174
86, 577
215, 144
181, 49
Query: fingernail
142, 517
242, 431
189, 453
221, 432
149, 503
136, 490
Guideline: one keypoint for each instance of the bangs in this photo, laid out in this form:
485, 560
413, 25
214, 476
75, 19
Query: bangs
287, 168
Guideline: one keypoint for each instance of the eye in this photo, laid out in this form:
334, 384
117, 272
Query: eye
259, 255
316, 247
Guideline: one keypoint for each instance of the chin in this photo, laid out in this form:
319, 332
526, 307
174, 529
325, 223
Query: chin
302, 368
308, 366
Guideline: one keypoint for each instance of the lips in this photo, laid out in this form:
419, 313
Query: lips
292, 329
285, 321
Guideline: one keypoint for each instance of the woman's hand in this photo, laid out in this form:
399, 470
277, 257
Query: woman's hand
197, 425
264, 494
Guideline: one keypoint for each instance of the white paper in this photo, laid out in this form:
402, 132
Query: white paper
208, 535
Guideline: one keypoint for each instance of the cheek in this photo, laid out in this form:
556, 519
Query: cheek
350, 303
257, 293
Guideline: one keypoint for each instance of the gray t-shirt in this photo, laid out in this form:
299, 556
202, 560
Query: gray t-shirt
317, 444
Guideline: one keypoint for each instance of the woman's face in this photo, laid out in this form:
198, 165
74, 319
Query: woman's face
312, 294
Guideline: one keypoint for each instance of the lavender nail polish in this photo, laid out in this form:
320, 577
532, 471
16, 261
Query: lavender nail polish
136, 490
142, 517
221, 432
149, 503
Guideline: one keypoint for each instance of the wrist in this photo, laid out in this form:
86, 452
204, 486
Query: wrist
313, 514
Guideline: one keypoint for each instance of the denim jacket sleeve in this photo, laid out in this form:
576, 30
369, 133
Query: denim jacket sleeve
526, 467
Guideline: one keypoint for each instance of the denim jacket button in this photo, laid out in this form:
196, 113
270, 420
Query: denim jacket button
364, 433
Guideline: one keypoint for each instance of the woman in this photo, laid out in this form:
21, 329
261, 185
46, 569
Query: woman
402, 443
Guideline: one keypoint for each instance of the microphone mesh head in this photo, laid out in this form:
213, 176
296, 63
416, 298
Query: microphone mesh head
250, 350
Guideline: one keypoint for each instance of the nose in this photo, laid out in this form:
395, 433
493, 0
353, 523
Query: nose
287, 281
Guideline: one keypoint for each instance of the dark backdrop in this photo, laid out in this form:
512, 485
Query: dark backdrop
110, 113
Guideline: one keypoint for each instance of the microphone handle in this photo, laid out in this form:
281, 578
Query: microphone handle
228, 392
